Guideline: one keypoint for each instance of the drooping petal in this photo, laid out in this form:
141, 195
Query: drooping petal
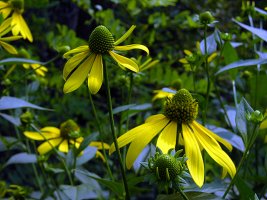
187, 52
74, 62
147, 132
132, 46
130, 135
95, 78
5, 9
49, 145
125, 35
20, 26
125, 62
64, 146
204, 130
167, 138
76, 79
51, 129
9, 48
80, 49
99, 145
215, 151
11, 38
195, 162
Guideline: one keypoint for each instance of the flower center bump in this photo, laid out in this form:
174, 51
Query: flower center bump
168, 167
101, 40
182, 107
69, 129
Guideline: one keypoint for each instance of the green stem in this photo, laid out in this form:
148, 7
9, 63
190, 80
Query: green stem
244, 157
207, 74
129, 99
112, 126
100, 133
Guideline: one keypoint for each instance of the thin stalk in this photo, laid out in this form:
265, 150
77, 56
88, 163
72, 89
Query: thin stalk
234, 92
207, 74
100, 133
112, 126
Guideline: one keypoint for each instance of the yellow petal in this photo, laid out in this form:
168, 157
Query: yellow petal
20, 26
162, 94
187, 52
79, 75
203, 130
125, 35
155, 118
5, 9
40, 135
9, 48
132, 46
74, 62
11, 38
263, 124
80, 49
195, 162
215, 151
145, 133
49, 145
64, 147
95, 78
6, 24
183, 60
125, 62
100, 155
99, 145
130, 135
212, 57
167, 138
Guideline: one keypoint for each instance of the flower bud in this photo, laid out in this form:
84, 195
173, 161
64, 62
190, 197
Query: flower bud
206, 18
70, 129
17, 5
26, 118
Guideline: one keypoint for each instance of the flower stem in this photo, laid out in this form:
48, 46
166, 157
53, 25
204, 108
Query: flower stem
112, 126
100, 133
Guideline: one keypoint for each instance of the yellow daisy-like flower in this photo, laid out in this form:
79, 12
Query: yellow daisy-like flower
4, 29
39, 69
178, 120
87, 60
68, 134
19, 26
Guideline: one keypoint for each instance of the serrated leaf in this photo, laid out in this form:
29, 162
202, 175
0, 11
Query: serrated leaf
22, 158
241, 63
8, 102
261, 33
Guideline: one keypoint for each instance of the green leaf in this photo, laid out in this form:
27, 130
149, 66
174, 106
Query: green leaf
20, 60
261, 33
22, 158
190, 195
242, 63
11, 119
242, 111
87, 155
8, 102
211, 43
245, 191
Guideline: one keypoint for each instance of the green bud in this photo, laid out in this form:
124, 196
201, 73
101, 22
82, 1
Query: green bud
206, 18
69, 129
63, 49
226, 36
26, 118
255, 117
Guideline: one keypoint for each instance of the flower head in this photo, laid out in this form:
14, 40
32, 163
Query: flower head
178, 120
19, 26
64, 138
5, 27
86, 61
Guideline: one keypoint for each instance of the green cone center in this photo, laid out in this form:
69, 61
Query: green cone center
69, 130
101, 40
166, 162
182, 108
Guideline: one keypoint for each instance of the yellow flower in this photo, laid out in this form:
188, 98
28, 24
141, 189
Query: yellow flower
16, 7
4, 29
39, 69
179, 117
87, 60
164, 93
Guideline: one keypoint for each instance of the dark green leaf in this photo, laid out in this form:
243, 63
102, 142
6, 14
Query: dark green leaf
244, 189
